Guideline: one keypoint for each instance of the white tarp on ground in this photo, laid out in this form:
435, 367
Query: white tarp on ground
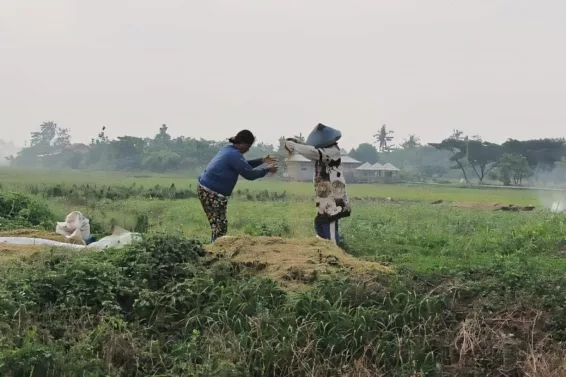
119, 238
37, 241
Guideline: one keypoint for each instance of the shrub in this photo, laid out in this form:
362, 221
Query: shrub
17, 210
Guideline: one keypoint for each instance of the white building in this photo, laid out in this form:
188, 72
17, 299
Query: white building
300, 168
377, 173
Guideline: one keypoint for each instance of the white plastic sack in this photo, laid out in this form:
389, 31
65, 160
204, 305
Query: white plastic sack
76, 227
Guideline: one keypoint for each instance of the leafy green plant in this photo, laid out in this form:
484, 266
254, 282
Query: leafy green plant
17, 210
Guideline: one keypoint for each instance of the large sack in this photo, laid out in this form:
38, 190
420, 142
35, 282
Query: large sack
323, 136
76, 228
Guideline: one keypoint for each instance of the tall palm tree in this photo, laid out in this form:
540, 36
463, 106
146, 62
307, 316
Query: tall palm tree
412, 141
383, 138
457, 134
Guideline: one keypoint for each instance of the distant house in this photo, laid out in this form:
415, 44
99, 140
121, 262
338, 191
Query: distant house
300, 168
349, 164
377, 173
390, 173
366, 173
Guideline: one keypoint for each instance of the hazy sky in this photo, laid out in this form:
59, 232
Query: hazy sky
208, 68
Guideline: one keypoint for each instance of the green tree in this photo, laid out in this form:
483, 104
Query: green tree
163, 138
50, 139
98, 156
161, 161
101, 138
483, 157
541, 154
457, 134
411, 142
365, 152
126, 153
458, 153
424, 161
513, 167
383, 139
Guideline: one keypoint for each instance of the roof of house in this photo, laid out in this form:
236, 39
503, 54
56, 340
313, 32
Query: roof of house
390, 167
377, 166
349, 160
295, 157
365, 166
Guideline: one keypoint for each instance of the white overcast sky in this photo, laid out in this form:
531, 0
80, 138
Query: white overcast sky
208, 68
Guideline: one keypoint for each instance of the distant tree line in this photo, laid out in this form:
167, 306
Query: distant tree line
509, 163
51, 146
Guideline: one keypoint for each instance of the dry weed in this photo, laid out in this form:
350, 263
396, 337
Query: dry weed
291, 261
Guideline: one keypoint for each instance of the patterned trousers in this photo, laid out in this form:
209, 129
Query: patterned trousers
215, 207
327, 230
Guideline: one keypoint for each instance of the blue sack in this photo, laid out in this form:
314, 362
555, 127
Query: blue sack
323, 136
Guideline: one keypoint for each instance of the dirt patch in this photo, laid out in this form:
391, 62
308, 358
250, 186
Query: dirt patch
491, 206
34, 233
291, 261
478, 205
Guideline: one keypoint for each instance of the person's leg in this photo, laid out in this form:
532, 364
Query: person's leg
337, 233
322, 229
333, 231
214, 207
221, 219
204, 197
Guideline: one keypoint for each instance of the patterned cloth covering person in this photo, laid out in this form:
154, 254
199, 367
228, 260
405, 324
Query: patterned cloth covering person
332, 201
217, 181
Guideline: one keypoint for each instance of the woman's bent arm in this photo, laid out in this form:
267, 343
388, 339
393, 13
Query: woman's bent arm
246, 170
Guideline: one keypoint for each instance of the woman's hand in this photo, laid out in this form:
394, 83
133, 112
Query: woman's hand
273, 168
270, 160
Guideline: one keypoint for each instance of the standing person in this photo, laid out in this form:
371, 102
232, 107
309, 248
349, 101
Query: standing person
217, 181
332, 202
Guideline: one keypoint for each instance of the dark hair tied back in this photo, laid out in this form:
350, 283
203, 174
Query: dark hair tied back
243, 136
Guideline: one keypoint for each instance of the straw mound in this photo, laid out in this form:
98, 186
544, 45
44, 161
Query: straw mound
291, 261
34, 233
10, 252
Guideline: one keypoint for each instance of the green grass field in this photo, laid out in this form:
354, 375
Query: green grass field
407, 230
21, 178
462, 277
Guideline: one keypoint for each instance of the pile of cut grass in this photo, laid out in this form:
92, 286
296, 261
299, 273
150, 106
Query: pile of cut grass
292, 261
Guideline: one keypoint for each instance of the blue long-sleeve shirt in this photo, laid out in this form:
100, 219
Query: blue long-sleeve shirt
221, 174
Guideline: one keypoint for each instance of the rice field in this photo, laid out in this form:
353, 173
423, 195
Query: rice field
455, 274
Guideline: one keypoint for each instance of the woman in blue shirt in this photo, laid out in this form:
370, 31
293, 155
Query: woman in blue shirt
218, 180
